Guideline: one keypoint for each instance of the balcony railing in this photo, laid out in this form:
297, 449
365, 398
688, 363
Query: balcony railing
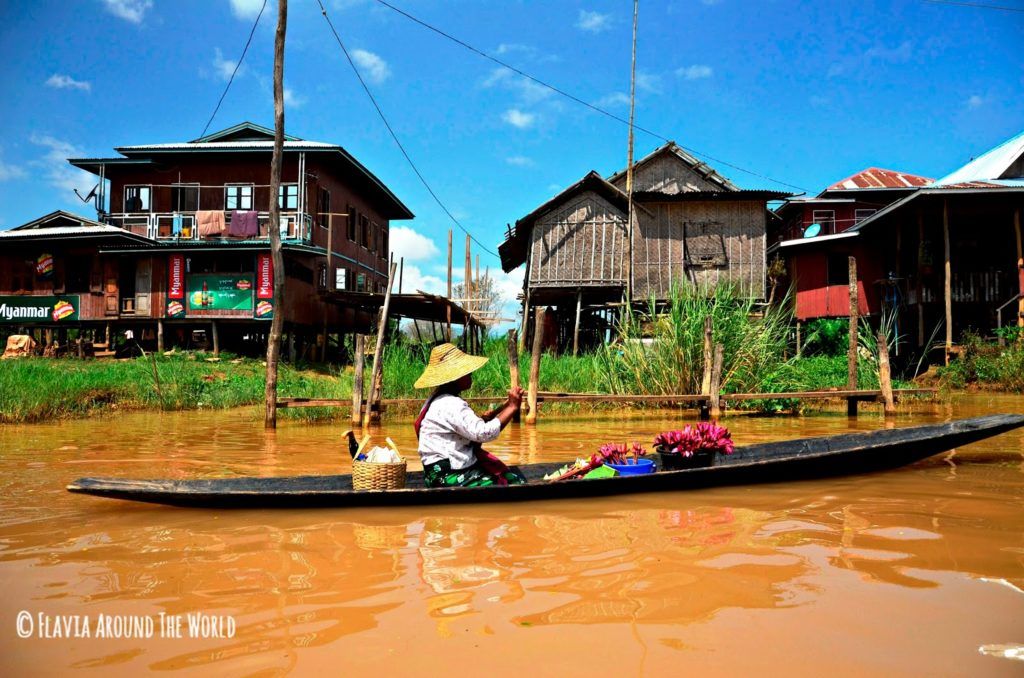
182, 226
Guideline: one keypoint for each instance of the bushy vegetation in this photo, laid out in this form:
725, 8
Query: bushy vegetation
988, 363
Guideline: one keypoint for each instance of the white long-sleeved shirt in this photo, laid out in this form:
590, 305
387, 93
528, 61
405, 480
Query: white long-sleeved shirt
449, 430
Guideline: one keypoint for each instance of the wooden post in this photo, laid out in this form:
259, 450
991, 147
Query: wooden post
107, 336
884, 375
160, 335
216, 339
273, 229
401, 271
513, 366
357, 379
449, 305
538, 343
799, 347
1020, 271
851, 354
524, 328
948, 290
716, 382
576, 328
81, 344
373, 404
705, 384
920, 281
467, 291
329, 282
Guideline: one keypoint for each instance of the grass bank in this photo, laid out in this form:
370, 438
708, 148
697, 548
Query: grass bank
986, 364
38, 389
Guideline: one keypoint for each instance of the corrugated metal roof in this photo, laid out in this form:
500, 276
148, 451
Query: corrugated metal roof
876, 177
45, 233
228, 146
990, 165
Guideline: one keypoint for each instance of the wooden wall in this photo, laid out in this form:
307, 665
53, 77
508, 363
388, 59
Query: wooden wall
666, 173
582, 244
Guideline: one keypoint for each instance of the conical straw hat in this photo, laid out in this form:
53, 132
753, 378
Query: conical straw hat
447, 363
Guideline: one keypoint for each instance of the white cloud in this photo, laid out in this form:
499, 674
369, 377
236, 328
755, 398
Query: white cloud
372, 66
10, 172
509, 48
411, 244
525, 89
518, 118
413, 279
54, 164
695, 72
613, 99
519, 161
975, 101
291, 99
133, 11
593, 22
248, 9
59, 81
222, 67
648, 82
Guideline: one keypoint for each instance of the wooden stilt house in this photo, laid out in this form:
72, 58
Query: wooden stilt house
690, 226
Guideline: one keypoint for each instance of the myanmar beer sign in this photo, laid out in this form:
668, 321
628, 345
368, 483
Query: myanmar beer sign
48, 309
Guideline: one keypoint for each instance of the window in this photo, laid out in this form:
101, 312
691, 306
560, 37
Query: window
827, 220
861, 215
340, 279
323, 207
838, 269
384, 242
136, 198
364, 230
184, 197
361, 282
238, 196
288, 196
372, 242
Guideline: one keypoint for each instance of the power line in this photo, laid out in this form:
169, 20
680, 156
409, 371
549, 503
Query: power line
237, 66
578, 100
976, 5
394, 136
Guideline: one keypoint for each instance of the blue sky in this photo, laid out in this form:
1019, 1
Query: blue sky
804, 92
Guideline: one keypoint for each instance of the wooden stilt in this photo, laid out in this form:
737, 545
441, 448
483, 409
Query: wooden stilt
920, 281
885, 375
716, 382
799, 346
538, 343
576, 327
1020, 272
373, 405
160, 336
851, 354
705, 384
513, 366
357, 379
216, 339
948, 288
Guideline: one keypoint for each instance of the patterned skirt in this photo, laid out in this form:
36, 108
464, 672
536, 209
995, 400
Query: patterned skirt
441, 474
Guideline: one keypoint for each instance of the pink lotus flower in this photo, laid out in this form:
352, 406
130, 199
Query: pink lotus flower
705, 436
615, 453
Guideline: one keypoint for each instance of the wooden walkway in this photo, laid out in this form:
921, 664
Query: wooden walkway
681, 399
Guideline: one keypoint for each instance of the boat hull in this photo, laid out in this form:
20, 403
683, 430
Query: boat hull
767, 462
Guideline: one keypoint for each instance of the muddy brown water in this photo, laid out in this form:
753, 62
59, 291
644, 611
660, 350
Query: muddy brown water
918, 571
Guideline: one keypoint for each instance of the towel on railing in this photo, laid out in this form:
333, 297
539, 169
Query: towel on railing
210, 222
176, 225
244, 224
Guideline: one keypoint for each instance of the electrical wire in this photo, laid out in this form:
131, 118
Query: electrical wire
580, 101
394, 136
234, 72
976, 5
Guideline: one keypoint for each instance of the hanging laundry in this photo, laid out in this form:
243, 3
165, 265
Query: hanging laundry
211, 223
244, 224
176, 226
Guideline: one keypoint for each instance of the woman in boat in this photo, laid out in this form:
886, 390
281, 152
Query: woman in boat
451, 435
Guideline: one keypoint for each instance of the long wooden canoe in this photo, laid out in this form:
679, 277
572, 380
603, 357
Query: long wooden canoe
765, 462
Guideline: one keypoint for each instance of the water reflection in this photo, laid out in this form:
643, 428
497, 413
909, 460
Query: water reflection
670, 574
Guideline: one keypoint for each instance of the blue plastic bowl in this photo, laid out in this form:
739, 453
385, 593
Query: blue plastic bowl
639, 468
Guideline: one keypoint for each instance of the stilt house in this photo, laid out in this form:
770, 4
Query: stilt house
690, 226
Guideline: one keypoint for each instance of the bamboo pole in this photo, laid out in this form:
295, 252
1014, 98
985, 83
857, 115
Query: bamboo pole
799, 347
401, 272
448, 307
274, 231
467, 291
576, 327
885, 375
629, 165
716, 382
1020, 272
851, 354
705, 384
948, 288
513, 367
373, 403
160, 335
329, 282
538, 343
357, 380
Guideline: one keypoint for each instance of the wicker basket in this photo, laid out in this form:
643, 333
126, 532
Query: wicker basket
374, 475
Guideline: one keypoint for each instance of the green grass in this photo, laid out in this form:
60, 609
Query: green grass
987, 363
37, 389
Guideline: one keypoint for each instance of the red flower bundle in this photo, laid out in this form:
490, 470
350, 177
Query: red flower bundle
705, 436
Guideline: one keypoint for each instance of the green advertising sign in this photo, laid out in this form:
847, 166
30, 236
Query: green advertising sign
49, 309
220, 292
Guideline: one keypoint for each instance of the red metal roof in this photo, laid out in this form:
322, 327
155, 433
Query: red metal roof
876, 177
